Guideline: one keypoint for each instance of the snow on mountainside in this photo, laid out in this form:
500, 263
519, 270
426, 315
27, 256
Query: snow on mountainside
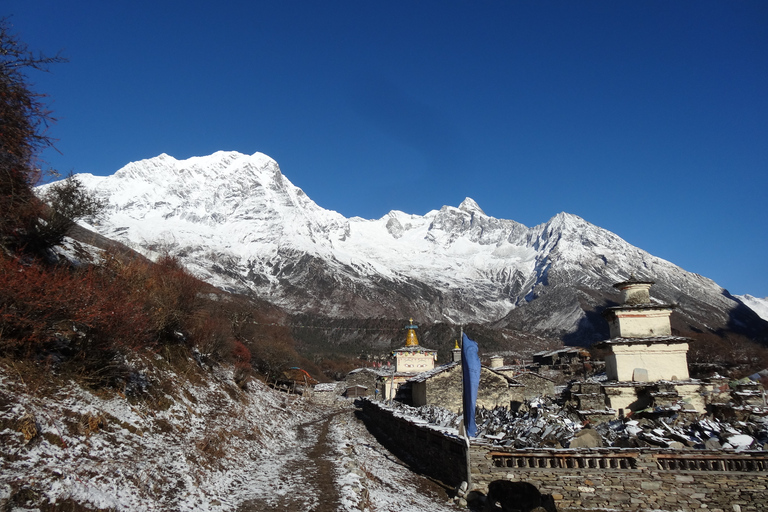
239, 224
756, 304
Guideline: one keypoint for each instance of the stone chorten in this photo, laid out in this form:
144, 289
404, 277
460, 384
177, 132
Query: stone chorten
642, 348
456, 353
413, 358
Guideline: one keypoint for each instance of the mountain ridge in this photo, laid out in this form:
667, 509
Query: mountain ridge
238, 223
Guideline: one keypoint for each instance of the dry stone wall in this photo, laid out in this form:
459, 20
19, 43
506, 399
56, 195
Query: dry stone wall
604, 478
429, 450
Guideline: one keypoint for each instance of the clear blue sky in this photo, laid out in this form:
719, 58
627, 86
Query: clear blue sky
647, 118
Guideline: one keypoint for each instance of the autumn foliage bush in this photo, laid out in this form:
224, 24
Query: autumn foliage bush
92, 315
168, 294
61, 315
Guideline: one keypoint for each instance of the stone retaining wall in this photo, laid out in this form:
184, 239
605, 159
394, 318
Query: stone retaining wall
632, 480
615, 479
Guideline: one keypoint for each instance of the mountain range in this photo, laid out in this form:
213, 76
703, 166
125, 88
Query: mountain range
238, 223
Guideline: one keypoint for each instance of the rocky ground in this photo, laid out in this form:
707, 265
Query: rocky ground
546, 423
189, 439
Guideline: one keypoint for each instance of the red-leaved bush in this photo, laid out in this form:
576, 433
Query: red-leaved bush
89, 316
48, 310
241, 355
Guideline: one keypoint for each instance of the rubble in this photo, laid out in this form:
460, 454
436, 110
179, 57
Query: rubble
549, 423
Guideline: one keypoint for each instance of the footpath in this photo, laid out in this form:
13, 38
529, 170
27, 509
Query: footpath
337, 465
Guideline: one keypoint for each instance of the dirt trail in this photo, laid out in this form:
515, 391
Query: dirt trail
337, 465
306, 481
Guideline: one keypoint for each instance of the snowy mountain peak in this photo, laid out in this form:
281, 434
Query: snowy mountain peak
470, 206
568, 221
756, 304
218, 165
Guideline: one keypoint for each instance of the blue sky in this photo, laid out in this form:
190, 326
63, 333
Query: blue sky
649, 119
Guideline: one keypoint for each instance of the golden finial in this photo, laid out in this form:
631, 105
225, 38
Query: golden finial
411, 340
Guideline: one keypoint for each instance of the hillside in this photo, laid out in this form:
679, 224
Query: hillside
186, 437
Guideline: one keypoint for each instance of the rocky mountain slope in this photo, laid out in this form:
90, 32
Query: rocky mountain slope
756, 304
241, 225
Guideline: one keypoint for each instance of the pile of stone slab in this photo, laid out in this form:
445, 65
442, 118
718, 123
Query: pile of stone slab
681, 434
545, 423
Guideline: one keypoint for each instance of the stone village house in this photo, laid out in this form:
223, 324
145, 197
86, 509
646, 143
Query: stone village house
416, 380
442, 387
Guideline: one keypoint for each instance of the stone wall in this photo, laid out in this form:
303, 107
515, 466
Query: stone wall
423, 448
535, 385
444, 389
620, 479
602, 478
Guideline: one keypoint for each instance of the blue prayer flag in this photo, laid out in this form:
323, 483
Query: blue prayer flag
470, 370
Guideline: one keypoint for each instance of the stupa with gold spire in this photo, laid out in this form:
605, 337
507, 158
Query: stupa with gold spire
413, 358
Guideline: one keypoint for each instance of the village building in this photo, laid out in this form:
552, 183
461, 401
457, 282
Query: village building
295, 380
534, 384
362, 382
443, 387
646, 366
561, 358
410, 360
325, 392
563, 364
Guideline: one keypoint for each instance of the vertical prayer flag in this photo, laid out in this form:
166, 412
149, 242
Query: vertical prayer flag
470, 371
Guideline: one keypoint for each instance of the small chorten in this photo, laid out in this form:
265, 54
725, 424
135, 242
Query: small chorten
497, 361
634, 292
412, 357
456, 353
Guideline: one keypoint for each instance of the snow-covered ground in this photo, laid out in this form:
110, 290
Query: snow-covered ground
201, 445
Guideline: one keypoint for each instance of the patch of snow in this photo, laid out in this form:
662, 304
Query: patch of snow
756, 304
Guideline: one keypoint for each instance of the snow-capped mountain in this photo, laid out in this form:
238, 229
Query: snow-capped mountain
239, 224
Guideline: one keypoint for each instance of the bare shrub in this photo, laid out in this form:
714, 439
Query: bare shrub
27, 425
90, 423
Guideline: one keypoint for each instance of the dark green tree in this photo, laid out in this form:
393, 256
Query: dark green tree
67, 201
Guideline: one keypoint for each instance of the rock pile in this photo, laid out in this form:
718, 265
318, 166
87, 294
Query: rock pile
544, 423
678, 433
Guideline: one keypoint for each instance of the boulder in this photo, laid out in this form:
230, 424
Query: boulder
586, 438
